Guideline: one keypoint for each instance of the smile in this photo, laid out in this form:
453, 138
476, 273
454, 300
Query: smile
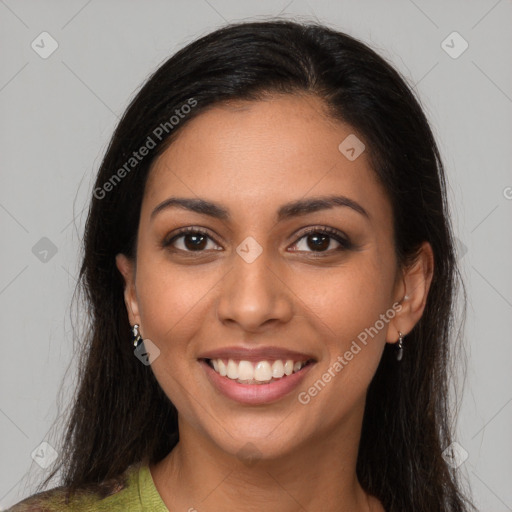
255, 383
261, 372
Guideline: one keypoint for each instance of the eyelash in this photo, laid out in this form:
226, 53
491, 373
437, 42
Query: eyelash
344, 242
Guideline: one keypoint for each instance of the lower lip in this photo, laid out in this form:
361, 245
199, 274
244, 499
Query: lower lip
255, 394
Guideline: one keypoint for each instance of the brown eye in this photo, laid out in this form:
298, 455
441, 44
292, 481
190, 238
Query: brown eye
320, 239
191, 240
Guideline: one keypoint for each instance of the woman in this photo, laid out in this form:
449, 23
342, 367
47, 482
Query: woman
269, 227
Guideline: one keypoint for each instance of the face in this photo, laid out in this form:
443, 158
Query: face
262, 275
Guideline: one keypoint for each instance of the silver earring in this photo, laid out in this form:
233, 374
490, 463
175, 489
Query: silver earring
400, 348
137, 339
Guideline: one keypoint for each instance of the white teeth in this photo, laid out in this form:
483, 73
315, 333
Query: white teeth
259, 372
232, 371
262, 371
278, 369
245, 370
288, 367
222, 367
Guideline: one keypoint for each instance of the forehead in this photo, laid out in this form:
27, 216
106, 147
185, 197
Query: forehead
262, 153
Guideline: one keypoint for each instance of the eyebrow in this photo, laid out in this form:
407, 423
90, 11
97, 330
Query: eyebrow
285, 212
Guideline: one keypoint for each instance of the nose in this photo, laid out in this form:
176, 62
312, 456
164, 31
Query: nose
254, 296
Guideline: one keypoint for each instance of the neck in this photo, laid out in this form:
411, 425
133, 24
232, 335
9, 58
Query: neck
198, 475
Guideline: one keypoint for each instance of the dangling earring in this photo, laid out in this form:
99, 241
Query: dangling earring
137, 339
400, 348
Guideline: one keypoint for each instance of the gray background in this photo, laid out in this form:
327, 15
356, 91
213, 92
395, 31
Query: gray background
58, 113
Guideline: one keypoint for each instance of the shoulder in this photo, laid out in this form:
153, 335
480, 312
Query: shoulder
47, 501
116, 493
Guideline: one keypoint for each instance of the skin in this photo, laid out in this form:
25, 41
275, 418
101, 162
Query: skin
252, 157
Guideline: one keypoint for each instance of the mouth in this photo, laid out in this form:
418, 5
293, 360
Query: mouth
255, 383
256, 373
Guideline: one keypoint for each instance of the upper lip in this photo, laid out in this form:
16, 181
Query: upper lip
255, 354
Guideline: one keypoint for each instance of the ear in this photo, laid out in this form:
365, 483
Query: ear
412, 292
126, 266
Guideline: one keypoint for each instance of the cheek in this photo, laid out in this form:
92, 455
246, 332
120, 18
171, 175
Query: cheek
349, 298
174, 302
171, 304
351, 309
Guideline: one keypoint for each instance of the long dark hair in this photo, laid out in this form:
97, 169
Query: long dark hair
120, 415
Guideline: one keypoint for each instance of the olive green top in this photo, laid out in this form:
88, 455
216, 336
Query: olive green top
133, 491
